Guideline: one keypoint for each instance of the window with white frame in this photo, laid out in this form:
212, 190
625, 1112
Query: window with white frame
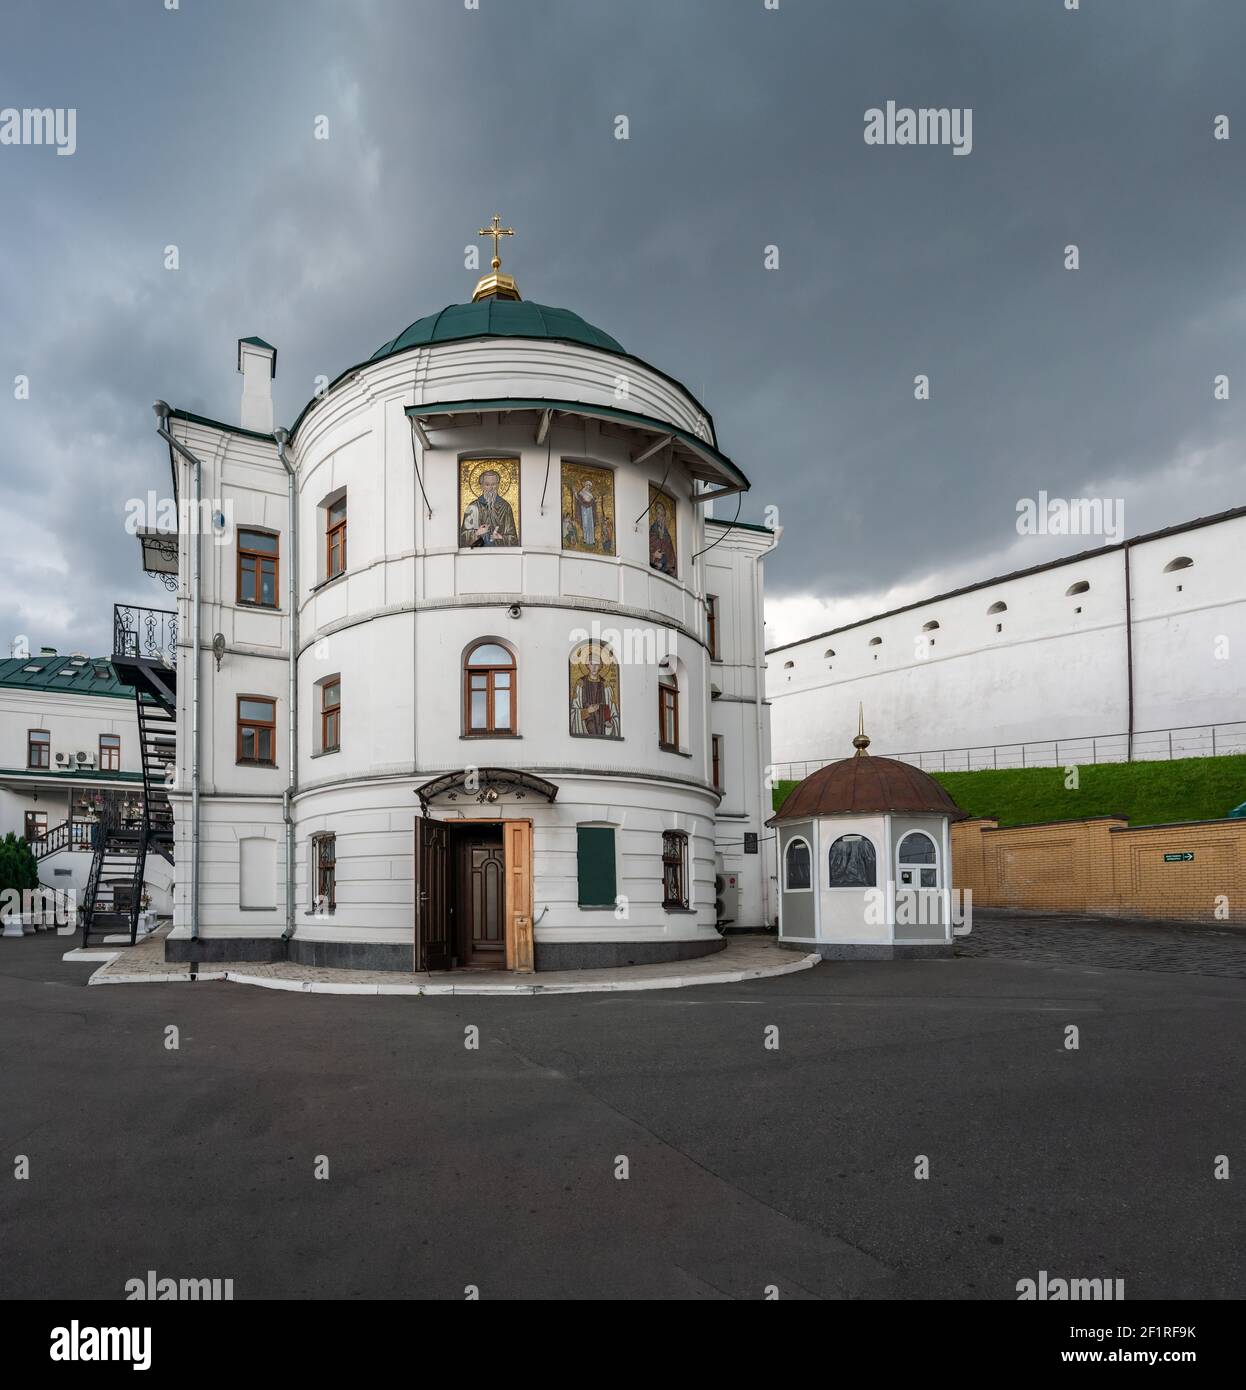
797, 867
917, 862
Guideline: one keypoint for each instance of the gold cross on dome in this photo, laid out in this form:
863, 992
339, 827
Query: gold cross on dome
496, 231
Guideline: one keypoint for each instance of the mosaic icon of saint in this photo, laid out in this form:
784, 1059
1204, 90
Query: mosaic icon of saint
588, 514
661, 543
488, 520
594, 702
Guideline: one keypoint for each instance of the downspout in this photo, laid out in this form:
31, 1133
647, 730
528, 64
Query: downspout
1129, 658
287, 806
162, 429
759, 695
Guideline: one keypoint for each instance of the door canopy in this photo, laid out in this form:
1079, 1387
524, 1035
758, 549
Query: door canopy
485, 785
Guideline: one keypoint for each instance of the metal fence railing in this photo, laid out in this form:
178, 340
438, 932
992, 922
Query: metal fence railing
1149, 745
144, 632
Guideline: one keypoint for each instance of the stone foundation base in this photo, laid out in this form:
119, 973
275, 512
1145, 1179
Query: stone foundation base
830, 950
217, 949
384, 955
354, 955
602, 955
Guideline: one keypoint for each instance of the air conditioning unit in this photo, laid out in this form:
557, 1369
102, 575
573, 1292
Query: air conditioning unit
84, 759
62, 760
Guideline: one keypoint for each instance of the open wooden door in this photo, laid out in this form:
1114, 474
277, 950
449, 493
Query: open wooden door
432, 901
517, 844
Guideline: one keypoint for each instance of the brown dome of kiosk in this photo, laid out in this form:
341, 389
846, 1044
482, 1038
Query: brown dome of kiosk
862, 785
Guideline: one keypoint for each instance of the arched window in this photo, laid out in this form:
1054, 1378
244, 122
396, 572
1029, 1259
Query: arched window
828, 653
787, 665
916, 862
876, 641
931, 625
668, 710
1081, 587
488, 690
1182, 562
1000, 607
853, 863
796, 865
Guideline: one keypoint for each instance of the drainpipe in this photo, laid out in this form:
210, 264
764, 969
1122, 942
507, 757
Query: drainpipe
759, 694
1129, 658
283, 453
162, 429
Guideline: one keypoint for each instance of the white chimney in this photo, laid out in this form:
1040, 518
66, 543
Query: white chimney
257, 361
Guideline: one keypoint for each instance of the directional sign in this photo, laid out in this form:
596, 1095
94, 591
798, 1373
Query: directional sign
1183, 858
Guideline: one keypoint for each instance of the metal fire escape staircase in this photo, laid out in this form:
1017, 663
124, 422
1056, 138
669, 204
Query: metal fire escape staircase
145, 646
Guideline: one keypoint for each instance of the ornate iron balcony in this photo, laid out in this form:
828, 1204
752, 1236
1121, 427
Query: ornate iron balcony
144, 632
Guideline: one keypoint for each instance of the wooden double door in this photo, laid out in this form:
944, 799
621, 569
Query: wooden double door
473, 895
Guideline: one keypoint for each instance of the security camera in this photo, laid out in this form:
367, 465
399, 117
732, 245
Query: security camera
514, 610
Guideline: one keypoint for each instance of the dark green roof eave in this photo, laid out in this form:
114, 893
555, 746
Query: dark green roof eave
589, 407
221, 425
73, 774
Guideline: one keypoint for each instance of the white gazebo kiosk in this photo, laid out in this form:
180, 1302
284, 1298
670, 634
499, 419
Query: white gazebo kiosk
865, 858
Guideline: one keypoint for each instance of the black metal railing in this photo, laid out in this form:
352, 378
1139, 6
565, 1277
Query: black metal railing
144, 632
69, 834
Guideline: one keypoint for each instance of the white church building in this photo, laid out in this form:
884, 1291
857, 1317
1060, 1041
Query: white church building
468, 675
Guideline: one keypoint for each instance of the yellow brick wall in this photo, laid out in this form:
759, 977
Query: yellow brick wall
1104, 866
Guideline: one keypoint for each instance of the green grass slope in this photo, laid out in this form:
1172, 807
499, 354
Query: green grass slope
1148, 793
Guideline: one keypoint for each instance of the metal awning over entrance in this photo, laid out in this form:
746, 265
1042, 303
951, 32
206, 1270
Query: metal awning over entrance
485, 785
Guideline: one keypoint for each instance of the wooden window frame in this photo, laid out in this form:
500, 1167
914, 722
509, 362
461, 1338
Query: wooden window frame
35, 816
335, 535
259, 556
329, 713
679, 863
319, 867
668, 701
711, 625
110, 763
270, 725
492, 729
44, 744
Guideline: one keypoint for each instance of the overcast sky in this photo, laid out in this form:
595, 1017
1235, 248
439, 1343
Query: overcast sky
195, 128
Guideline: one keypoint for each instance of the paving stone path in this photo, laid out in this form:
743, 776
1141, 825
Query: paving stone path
1113, 945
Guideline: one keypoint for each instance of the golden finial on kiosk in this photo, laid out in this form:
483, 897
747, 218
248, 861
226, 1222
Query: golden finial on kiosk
862, 740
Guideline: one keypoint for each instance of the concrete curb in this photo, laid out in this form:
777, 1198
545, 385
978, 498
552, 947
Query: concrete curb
720, 977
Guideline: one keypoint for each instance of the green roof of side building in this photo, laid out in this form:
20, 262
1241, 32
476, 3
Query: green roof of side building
94, 676
499, 318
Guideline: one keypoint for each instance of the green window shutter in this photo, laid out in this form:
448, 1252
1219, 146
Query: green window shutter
595, 861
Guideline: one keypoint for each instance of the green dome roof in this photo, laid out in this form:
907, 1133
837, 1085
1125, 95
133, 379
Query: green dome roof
499, 318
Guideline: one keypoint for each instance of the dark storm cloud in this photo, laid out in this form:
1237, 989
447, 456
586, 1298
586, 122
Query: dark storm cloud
1092, 127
